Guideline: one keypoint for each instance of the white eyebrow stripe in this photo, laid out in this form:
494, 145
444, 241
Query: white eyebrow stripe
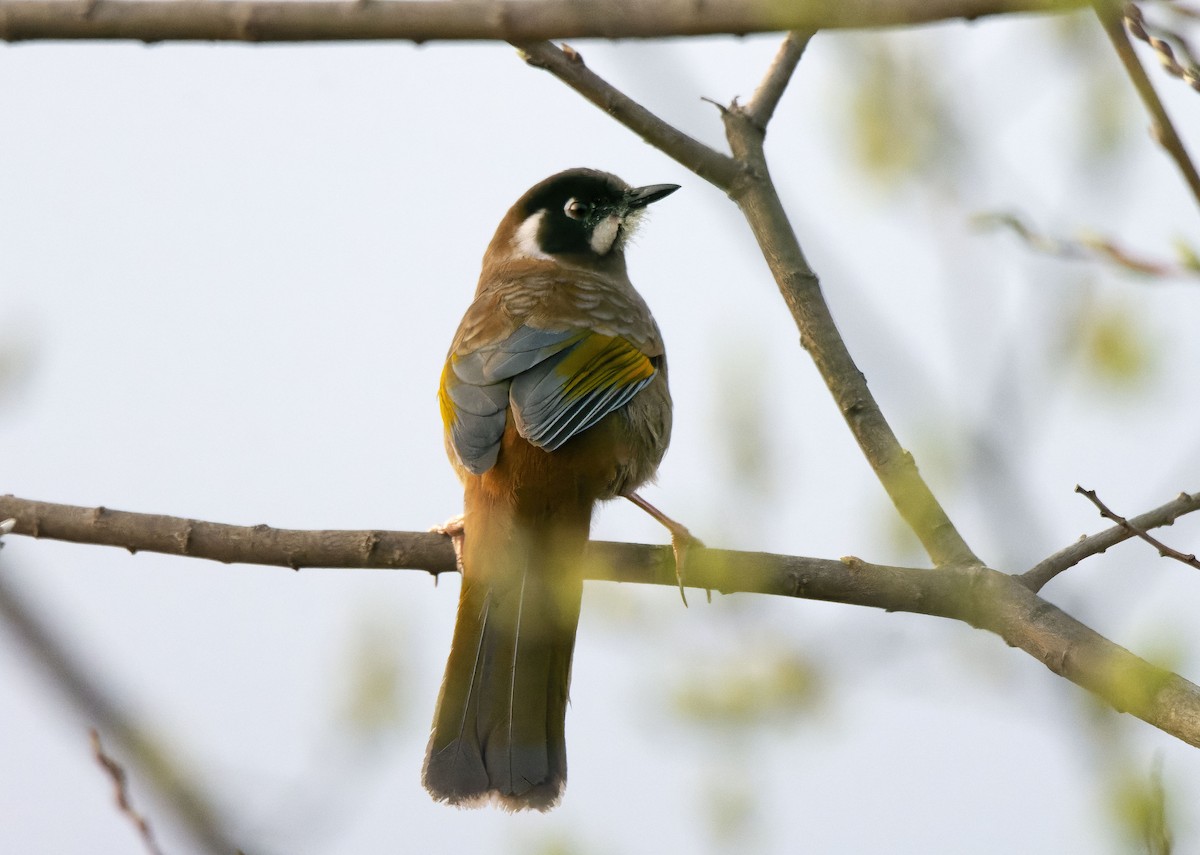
525, 241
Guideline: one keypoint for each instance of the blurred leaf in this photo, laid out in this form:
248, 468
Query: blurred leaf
17, 357
731, 806
758, 685
1107, 118
901, 123
742, 416
552, 843
1106, 108
1186, 254
1116, 347
1139, 804
372, 700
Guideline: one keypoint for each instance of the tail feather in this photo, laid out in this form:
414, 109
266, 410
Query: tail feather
498, 732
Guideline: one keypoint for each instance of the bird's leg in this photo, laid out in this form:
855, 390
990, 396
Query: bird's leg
453, 529
681, 539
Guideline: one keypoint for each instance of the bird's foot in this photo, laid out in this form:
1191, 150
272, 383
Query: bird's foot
453, 529
682, 540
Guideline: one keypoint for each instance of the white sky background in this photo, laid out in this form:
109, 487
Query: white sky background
228, 277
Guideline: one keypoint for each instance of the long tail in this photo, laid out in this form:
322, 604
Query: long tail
498, 731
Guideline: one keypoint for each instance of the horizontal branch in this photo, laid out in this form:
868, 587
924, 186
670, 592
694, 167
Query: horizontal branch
494, 20
976, 595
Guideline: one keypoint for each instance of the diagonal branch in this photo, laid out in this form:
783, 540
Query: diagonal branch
497, 20
1159, 40
766, 98
120, 781
801, 290
1037, 576
755, 194
1112, 19
976, 595
190, 805
746, 179
567, 65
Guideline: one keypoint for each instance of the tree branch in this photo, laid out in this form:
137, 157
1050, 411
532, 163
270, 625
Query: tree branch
1160, 39
801, 290
748, 182
1088, 248
229, 544
190, 805
499, 20
1112, 19
116, 774
1037, 576
1163, 550
766, 98
979, 596
567, 65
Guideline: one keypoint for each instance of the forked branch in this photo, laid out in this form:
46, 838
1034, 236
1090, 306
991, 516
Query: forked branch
1037, 576
751, 187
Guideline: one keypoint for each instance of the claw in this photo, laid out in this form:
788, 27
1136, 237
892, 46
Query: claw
453, 528
681, 539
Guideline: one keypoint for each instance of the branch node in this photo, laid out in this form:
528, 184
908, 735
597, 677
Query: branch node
184, 538
370, 544
721, 108
572, 55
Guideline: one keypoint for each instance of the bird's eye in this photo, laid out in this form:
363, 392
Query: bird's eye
576, 210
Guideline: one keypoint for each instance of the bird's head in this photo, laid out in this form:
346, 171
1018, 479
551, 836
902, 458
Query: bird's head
580, 216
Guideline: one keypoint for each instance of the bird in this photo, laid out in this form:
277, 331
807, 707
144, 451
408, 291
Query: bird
553, 398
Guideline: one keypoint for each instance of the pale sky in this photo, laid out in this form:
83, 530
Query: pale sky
228, 278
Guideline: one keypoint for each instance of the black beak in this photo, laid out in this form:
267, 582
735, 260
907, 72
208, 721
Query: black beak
640, 197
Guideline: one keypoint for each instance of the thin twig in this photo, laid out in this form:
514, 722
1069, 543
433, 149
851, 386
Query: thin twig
193, 808
766, 98
496, 20
1091, 248
1037, 576
1112, 19
567, 65
117, 775
1163, 550
1159, 40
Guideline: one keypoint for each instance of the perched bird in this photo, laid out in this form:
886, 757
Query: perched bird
554, 397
